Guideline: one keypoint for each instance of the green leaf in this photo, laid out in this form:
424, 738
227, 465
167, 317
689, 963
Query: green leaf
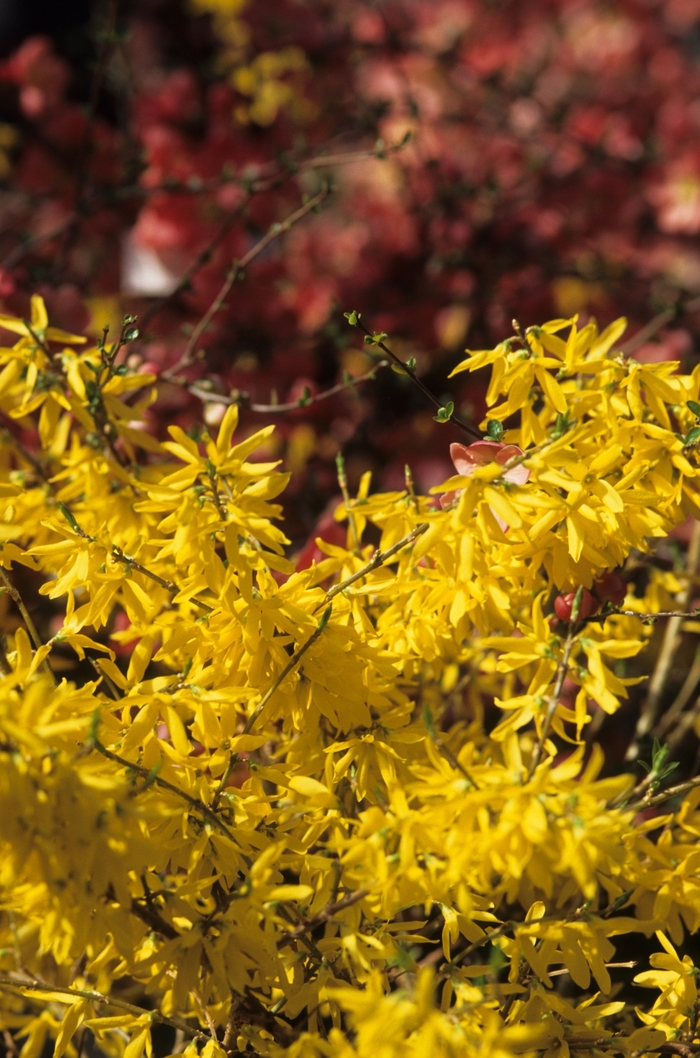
411, 363
693, 436
445, 413
495, 430
353, 317
561, 425
69, 518
694, 407
376, 338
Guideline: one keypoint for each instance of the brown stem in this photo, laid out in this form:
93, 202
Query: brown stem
25, 454
39, 341
215, 495
205, 1013
378, 559
672, 714
343, 486
193, 802
149, 914
451, 758
233, 1023
235, 271
323, 916
202, 187
169, 585
503, 928
553, 702
26, 617
665, 795
657, 683
203, 257
279, 409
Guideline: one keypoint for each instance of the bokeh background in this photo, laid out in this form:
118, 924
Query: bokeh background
489, 160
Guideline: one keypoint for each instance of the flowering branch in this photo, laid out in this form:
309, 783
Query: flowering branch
127, 560
666, 795
148, 774
378, 559
11, 980
291, 664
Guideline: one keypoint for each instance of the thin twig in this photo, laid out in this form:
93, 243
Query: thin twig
686, 722
377, 559
26, 617
657, 323
206, 254
243, 401
417, 382
41, 342
169, 585
452, 759
665, 795
235, 272
343, 486
323, 916
149, 914
671, 715
667, 651
503, 928
190, 187
193, 802
232, 1024
553, 702
203, 257
205, 1013
19, 982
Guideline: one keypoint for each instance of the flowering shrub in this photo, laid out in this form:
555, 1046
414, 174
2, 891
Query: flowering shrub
552, 167
262, 811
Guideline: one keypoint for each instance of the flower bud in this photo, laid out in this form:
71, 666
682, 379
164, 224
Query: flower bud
564, 604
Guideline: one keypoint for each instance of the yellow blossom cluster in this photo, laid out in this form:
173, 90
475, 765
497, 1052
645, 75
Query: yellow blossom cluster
265, 812
268, 82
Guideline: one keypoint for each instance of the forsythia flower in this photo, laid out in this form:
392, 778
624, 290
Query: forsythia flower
280, 813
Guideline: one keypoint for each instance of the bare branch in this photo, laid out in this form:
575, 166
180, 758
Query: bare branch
211, 396
417, 382
562, 670
235, 272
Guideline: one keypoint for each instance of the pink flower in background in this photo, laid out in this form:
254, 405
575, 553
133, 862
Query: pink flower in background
467, 458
